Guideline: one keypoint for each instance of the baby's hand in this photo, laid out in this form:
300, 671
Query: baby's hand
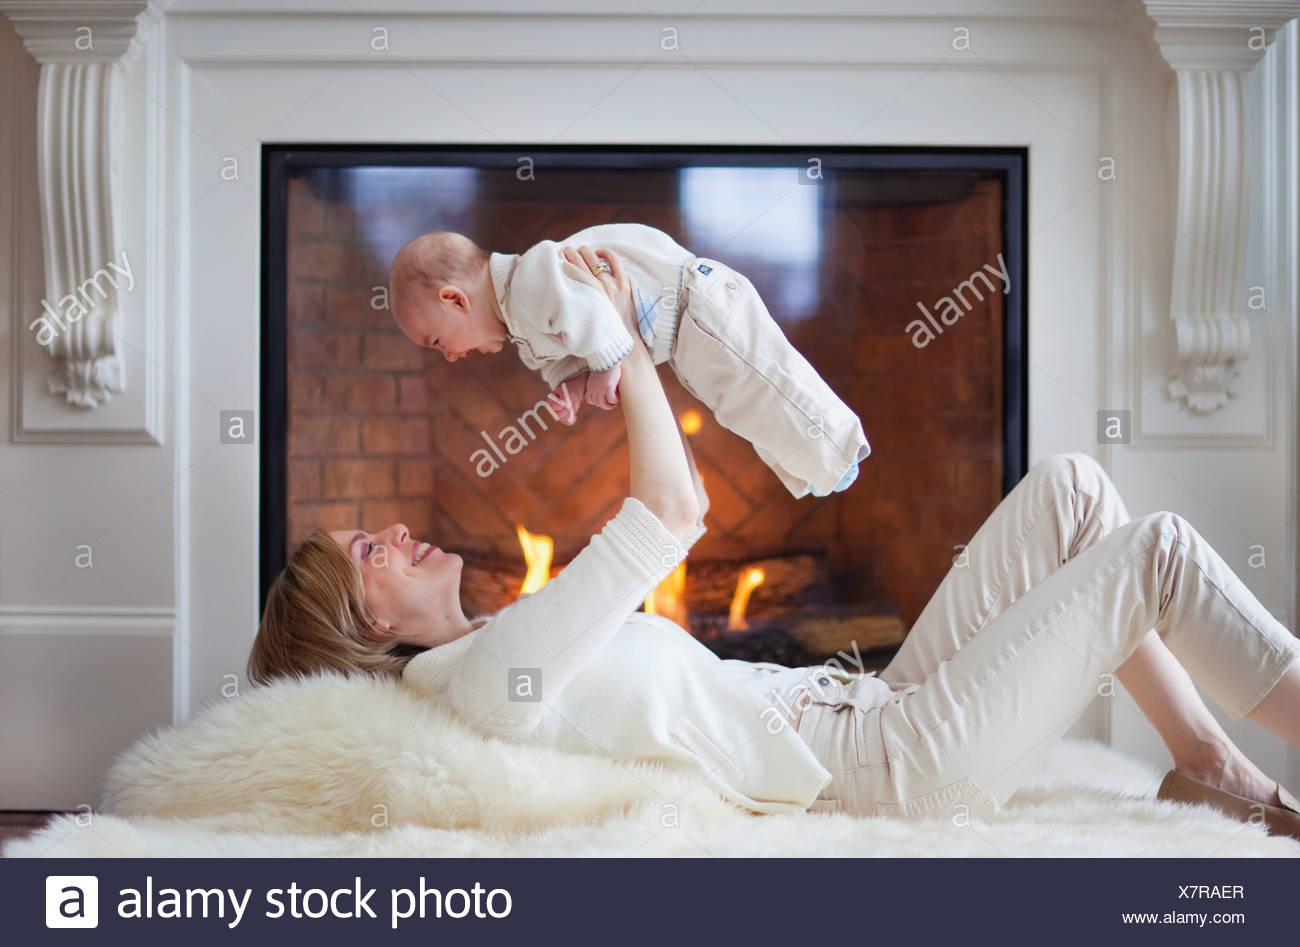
602, 387
565, 399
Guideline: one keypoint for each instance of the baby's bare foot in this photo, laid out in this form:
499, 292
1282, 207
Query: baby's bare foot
564, 413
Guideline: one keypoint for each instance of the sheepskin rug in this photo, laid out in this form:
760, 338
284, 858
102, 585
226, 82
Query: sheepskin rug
349, 767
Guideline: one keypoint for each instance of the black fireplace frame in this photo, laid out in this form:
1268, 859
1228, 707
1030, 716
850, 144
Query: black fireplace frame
281, 161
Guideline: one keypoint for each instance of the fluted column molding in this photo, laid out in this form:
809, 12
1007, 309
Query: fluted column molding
1211, 44
78, 44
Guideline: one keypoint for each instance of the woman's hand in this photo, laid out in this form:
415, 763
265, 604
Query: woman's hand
604, 270
584, 265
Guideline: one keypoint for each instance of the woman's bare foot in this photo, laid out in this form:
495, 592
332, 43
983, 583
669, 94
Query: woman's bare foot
1226, 767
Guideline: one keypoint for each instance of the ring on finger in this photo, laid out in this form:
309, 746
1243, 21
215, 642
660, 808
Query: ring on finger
601, 267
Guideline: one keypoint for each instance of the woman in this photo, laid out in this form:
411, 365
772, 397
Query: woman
1057, 589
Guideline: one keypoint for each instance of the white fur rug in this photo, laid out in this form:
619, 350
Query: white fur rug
338, 767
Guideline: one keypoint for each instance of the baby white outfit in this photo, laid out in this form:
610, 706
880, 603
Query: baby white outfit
705, 320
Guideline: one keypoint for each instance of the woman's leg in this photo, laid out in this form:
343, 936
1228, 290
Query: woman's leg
1164, 692
1064, 504
974, 727
1280, 709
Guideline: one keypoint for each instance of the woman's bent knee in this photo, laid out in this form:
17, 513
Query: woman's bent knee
1075, 466
1162, 521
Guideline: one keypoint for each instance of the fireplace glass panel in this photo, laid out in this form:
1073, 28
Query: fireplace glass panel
378, 430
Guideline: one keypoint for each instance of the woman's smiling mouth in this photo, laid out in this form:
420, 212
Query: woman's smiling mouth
419, 552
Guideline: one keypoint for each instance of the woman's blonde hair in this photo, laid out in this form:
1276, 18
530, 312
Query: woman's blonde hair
316, 619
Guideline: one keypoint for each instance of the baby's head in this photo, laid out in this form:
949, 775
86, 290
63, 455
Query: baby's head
442, 296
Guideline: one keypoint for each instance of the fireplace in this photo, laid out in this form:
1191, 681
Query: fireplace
898, 273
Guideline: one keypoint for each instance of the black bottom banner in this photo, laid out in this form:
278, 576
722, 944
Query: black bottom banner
648, 901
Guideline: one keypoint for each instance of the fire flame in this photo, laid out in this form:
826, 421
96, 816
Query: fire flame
667, 598
749, 580
537, 554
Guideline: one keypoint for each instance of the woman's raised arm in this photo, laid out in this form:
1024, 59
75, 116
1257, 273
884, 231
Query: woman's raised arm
558, 628
661, 477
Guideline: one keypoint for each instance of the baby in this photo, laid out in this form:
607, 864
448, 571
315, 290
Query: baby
698, 315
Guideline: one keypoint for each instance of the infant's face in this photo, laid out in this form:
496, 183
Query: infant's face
436, 324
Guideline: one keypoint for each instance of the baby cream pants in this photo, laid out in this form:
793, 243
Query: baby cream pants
1056, 589
731, 354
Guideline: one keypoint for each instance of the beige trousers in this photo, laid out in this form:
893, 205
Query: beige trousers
1056, 589
731, 354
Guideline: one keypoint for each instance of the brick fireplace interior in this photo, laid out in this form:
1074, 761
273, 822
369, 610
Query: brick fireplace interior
377, 430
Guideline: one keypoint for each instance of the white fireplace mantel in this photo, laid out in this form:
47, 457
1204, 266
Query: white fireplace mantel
1210, 44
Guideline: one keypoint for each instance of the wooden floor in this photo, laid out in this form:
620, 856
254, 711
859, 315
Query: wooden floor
18, 824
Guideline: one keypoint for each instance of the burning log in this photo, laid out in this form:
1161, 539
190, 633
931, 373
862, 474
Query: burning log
830, 629
771, 609
813, 635
789, 583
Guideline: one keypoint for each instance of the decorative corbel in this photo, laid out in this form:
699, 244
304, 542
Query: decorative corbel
1211, 44
78, 44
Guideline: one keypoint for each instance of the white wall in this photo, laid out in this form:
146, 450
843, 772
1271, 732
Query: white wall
86, 654
1073, 80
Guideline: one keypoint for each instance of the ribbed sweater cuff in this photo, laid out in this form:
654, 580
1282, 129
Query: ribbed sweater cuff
665, 335
645, 539
612, 352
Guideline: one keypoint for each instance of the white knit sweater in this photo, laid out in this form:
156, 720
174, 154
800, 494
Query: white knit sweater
562, 326
607, 680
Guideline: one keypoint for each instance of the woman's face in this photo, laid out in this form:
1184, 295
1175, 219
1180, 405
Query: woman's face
411, 587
